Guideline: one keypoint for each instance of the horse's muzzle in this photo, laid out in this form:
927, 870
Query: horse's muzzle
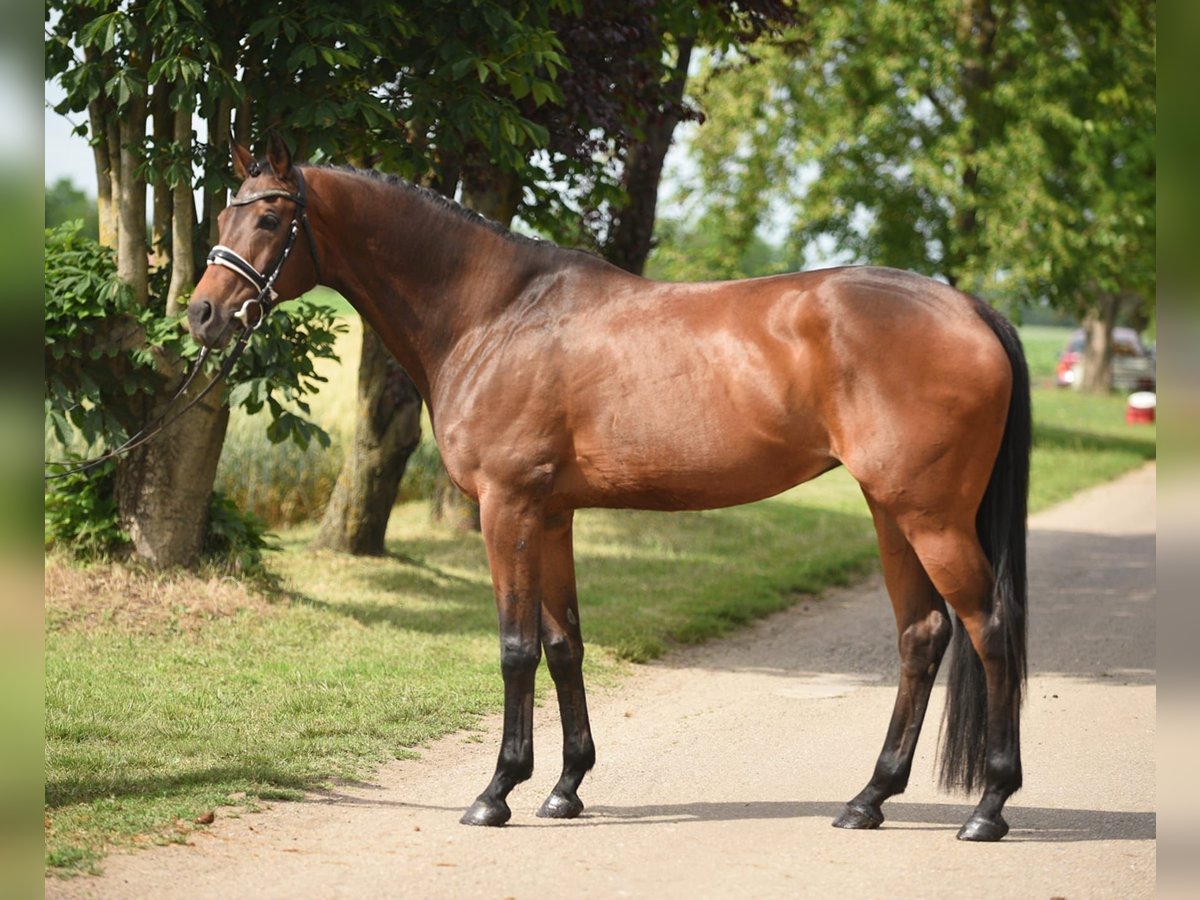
207, 325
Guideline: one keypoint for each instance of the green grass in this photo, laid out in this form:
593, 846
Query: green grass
1081, 441
350, 662
1043, 344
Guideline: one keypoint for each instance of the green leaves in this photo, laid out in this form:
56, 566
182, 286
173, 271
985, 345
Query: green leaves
103, 362
81, 512
277, 370
990, 144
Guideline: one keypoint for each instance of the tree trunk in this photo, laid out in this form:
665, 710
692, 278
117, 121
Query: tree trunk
1095, 368
218, 131
976, 29
105, 211
632, 235
160, 241
183, 221
163, 487
387, 431
132, 264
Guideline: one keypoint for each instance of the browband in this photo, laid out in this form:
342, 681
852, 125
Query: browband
298, 199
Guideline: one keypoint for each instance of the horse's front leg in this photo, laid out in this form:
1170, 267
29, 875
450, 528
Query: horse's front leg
563, 643
512, 532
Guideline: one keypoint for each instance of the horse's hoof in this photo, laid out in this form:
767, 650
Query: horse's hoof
558, 806
492, 813
980, 829
859, 815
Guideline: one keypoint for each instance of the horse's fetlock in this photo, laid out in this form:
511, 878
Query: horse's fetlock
579, 754
1004, 772
517, 763
891, 774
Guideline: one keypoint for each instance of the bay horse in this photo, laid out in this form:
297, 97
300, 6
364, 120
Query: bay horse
556, 381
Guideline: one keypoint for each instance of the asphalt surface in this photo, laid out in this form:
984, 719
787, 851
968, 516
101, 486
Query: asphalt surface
721, 767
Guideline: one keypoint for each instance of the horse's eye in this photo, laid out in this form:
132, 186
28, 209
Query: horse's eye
270, 222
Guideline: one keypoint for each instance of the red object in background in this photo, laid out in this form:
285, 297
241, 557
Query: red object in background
1141, 408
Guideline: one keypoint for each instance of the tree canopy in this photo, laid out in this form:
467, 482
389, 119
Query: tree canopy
1007, 147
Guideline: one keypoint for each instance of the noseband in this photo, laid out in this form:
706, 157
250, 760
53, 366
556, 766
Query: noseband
264, 282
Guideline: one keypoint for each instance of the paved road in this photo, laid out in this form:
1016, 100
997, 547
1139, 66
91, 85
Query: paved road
720, 769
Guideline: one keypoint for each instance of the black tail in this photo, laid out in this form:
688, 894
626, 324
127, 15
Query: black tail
1000, 524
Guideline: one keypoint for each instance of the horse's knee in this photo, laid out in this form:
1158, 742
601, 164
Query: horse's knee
519, 657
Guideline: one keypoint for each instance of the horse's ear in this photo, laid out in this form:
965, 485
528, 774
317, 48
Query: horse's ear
243, 160
278, 155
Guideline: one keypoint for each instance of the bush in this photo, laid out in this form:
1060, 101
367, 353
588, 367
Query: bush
81, 513
234, 537
103, 356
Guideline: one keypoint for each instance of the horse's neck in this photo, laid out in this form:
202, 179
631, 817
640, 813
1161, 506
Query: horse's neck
419, 274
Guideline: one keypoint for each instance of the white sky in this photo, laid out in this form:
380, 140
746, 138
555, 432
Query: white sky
67, 156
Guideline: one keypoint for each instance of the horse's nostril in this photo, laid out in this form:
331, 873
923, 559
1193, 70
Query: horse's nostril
199, 312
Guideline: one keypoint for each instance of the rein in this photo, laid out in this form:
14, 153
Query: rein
264, 283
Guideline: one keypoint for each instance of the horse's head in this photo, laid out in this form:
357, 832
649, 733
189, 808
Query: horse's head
259, 259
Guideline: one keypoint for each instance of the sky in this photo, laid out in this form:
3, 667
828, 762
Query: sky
67, 156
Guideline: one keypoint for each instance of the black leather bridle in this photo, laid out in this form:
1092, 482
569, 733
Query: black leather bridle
264, 282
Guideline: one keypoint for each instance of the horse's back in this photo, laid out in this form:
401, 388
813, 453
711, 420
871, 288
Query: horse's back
712, 394
671, 396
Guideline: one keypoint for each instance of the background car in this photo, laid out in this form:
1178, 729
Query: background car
1133, 364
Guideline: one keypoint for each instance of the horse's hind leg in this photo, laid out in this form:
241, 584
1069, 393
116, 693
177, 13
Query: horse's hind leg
563, 644
988, 750
924, 632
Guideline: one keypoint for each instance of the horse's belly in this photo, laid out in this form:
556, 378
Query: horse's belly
694, 461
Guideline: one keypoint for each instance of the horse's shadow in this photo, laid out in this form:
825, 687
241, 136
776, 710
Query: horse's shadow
1029, 823
1041, 824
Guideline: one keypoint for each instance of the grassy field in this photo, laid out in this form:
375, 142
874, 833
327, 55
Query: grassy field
169, 696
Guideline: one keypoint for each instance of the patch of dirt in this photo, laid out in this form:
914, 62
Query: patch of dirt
112, 595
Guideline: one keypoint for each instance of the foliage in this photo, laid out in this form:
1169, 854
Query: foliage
991, 144
81, 517
94, 384
91, 373
234, 537
81, 513
621, 57
65, 202
90, 322
278, 370
463, 84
